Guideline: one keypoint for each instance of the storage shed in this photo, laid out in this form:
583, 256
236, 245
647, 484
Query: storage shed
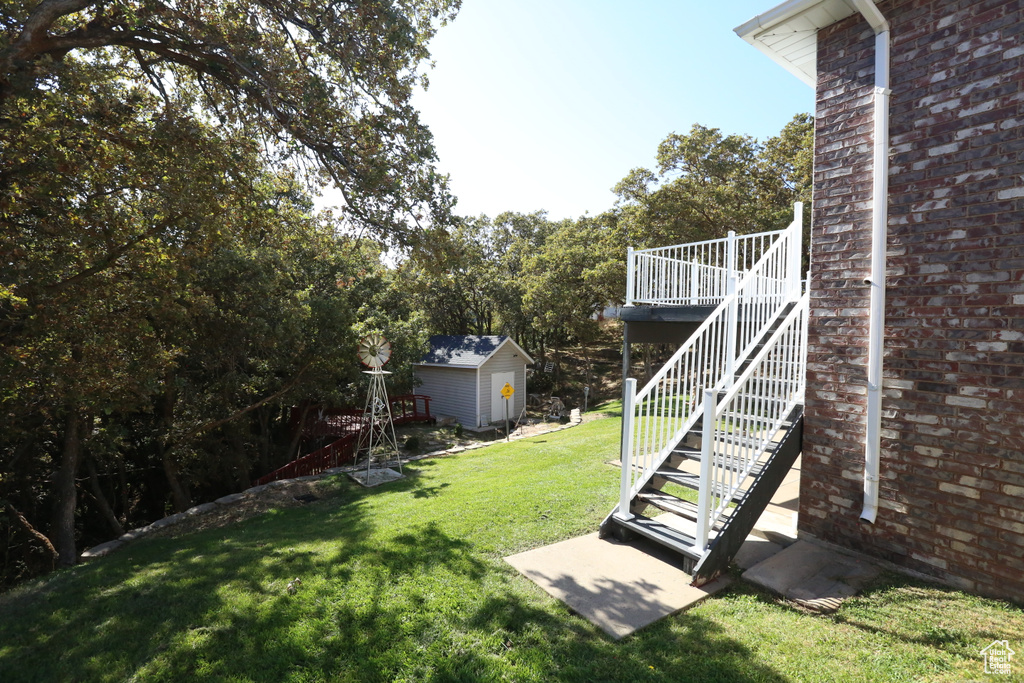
463, 375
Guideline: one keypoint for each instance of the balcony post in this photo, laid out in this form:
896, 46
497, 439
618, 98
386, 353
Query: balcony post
630, 276
628, 399
733, 319
795, 249
707, 453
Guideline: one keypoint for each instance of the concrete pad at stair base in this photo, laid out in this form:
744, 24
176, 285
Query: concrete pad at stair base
618, 587
813, 576
754, 551
375, 477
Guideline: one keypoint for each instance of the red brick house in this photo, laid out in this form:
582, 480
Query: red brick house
913, 447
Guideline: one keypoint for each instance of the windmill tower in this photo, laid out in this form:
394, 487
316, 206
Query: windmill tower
377, 435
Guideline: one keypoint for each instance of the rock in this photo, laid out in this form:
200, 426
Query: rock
102, 549
133, 534
230, 499
167, 521
200, 509
257, 489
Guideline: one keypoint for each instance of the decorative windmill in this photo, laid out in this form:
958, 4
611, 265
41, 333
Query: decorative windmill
377, 435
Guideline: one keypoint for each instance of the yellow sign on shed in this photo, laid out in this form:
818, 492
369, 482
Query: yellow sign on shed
507, 391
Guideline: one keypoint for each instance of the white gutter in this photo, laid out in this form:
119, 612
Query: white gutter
879, 236
775, 16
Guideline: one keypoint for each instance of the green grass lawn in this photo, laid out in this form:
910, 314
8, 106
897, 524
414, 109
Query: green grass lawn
406, 582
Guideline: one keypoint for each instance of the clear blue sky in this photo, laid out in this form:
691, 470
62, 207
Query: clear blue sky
546, 104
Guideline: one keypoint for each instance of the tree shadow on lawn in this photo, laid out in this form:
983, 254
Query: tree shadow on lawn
564, 647
217, 602
920, 612
373, 606
136, 605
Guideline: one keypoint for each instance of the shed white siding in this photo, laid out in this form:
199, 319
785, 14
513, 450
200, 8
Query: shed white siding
506, 359
448, 389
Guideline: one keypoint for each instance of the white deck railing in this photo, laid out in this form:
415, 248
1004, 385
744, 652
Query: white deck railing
695, 274
657, 417
738, 429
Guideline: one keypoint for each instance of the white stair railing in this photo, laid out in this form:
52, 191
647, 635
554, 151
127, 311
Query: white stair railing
739, 428
695, 274
657, 417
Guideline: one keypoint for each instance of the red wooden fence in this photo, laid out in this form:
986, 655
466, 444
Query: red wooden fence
345, 424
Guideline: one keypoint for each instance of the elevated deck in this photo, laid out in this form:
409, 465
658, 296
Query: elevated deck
729, 401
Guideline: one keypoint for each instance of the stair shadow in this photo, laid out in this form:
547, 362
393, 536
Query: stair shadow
687, 647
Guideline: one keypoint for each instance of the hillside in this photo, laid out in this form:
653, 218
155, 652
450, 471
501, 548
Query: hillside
406, 582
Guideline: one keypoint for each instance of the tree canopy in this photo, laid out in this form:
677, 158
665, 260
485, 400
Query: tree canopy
166, 286
707, 183
323, 85
168, 290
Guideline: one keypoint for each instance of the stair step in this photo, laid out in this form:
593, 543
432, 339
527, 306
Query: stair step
692, 481
673, 505
662, 534
687, 452
669, 503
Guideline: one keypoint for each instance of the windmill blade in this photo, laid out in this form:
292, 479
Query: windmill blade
374, 351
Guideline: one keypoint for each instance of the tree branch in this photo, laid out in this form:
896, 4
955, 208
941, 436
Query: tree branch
32, 530
248, 409
111, 257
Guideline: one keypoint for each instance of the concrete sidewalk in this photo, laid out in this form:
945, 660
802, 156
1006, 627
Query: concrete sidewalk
623, 587
617, 586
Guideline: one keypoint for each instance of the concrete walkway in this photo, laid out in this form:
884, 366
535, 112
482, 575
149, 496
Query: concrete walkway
617, 586
813, 576
623, 587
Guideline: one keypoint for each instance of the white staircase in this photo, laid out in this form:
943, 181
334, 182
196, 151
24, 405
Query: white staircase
723, 417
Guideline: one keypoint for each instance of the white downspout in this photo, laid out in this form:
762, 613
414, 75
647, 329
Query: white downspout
879, 235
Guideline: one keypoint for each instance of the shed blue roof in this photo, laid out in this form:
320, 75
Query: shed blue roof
465, 350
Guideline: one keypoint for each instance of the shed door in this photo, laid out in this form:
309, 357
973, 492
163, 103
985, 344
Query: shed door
498, 380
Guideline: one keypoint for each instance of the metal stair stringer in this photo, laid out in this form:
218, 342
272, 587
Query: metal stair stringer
755, 500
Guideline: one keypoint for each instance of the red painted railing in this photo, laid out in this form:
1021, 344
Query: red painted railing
334, 454
410, 408
345, 424
338, 422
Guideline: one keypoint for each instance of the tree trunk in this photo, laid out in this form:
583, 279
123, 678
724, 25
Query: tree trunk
101, 500
64, 492
178, 492
20, 518
293, 448
263, 414
240, 471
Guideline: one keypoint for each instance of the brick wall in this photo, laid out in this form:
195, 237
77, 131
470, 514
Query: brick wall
952, 472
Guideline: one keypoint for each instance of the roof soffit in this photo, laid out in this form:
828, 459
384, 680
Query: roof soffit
788, 33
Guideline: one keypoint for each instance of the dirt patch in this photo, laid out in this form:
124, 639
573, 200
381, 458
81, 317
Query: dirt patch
286, 494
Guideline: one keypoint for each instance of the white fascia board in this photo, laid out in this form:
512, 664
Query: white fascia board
445, 365
788, 33
519, 348
508, 340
